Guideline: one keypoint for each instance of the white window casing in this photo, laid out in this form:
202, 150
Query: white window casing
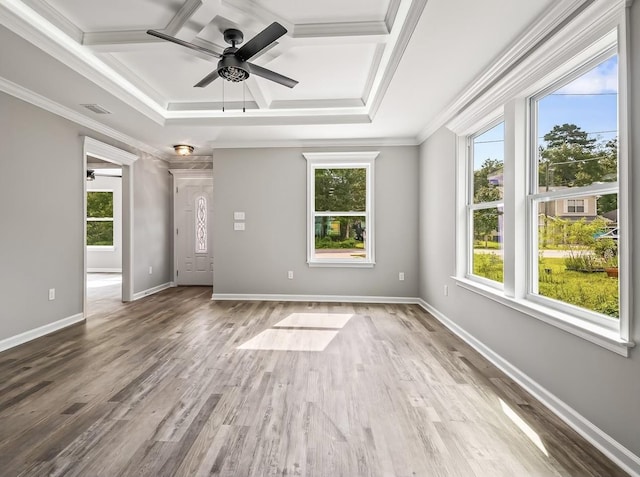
341, 160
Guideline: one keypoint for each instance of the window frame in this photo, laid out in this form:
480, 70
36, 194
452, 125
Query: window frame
472, 207
534, 197
341, 160
101, 248
570, 51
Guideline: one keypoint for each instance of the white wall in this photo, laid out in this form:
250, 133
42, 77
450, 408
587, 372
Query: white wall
108, 259
41, 217
270, 185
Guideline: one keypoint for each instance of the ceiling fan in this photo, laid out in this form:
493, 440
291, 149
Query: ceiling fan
234, 62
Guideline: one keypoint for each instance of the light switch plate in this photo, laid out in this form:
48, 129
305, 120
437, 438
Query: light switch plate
238, 226
238, 216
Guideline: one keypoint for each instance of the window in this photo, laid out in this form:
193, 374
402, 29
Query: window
340, 209
575, 206
100, 218
485, 207
201, 225
575, 160
543, 212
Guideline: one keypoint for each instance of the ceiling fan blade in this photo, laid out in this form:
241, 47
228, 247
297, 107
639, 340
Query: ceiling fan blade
207, 80
180, 42
261, 41
272, 75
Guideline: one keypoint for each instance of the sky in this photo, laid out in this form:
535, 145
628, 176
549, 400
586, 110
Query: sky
589, 101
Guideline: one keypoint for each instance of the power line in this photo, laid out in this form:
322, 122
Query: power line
542, 137
583, 94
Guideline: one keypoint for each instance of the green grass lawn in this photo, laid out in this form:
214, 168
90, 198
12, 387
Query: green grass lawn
593, 291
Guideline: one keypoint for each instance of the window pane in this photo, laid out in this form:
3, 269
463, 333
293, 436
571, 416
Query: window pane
99, 233
577, 128
488, 158
578, 257
99, 204
340, 237
487, 243
201, 225
341, 190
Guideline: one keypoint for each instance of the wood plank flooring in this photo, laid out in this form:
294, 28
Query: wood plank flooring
159, 387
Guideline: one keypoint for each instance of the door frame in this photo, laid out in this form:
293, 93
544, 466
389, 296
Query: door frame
100, 150
179, 175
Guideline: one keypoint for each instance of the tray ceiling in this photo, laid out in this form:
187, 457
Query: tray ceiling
344, 55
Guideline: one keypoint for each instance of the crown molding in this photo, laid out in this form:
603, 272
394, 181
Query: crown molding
409, 12
320, 30
54, 17
316, 143
557, 15
392, 12
40, 101
187, 10
34, 28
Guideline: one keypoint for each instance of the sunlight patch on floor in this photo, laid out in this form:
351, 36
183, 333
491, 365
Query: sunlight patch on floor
315, 320
290, 340
524, 427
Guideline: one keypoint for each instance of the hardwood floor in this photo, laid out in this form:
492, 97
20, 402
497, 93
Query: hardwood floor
159, 387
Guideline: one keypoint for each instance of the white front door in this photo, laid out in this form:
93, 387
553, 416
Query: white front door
193, 204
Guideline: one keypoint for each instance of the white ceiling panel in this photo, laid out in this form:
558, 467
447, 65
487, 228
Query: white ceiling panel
117, 15
323, 72
328, 11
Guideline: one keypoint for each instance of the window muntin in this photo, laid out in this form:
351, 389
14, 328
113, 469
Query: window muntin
100, 218
485, 209
575, 206
574, 193
340, 223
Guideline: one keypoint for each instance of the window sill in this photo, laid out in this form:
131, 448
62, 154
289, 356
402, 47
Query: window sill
591, 332
339, 264
101, 248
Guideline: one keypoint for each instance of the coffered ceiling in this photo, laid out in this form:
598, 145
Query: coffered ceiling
368, 70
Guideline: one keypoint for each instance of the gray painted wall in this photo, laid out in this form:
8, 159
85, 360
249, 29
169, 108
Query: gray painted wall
269, 185
41, 217
600, 385
152, 223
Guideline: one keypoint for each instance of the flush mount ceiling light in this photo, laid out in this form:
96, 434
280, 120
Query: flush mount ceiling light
183, 149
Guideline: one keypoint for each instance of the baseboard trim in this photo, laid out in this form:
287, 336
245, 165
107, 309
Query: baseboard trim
31, 335
104, 270
615, 451
314, 298
152, 290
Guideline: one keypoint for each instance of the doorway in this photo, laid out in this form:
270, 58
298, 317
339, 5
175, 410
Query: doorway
108, 224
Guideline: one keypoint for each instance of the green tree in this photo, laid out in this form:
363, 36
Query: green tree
481, 178
485, 221
340, 190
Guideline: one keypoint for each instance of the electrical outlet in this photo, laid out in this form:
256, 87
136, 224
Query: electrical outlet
290, 274
401, 276
52, 293
446, 290
238, 216
238, 226
150, 269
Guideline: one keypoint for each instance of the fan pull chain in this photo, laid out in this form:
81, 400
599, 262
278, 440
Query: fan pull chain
223, 96
244, 87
